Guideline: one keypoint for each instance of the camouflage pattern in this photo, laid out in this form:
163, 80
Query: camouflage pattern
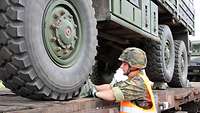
134, 56
132, 90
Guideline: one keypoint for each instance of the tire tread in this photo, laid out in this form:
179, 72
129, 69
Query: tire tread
177, 80
155, 70
16, 69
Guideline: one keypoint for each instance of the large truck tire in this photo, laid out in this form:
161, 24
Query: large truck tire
99, 76
161, 56
181, 66
106, 63
47, 47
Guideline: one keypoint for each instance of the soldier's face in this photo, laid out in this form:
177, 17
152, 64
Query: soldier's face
125, 67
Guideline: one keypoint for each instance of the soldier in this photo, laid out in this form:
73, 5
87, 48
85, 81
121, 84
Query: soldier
130, 85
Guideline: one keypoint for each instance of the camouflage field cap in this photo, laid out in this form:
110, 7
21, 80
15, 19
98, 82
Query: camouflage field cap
135, 57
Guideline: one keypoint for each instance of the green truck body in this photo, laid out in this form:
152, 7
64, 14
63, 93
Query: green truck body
145, 14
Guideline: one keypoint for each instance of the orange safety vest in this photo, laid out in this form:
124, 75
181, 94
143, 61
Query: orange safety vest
129, 107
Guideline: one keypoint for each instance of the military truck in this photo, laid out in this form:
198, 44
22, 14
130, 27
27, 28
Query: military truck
48, 48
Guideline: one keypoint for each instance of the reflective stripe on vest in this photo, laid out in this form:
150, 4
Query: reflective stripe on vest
133, 110
129, 107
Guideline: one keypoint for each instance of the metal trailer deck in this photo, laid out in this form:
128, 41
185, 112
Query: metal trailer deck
179, 99
172, 100
10, 103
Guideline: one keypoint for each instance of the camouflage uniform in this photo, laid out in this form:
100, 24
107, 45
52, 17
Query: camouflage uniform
133, 89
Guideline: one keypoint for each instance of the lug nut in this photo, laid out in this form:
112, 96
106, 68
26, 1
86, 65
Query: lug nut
70, 16
64, 47
58, 49
54, 26
62, 13
75, 25
53, 39
55, 16
69, 46
75, 37
65, 51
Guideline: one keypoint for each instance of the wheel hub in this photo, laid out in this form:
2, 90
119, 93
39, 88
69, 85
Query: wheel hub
64, 29
62, 32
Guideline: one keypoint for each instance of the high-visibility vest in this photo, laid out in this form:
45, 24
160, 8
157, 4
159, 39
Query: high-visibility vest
130, 107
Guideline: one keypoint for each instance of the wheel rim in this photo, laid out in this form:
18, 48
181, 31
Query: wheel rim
167, 53
182, 62
62, 33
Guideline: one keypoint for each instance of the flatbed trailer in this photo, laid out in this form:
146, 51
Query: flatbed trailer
172, 100
183, 100
10, 103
